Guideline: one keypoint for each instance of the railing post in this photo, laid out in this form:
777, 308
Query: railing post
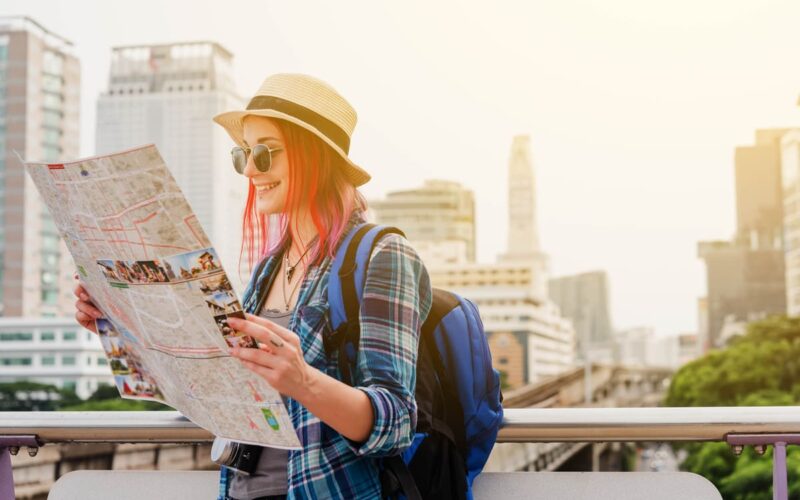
780, 479
6, 475
6, 471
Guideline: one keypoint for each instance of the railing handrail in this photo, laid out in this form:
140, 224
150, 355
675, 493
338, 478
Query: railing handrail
519, 425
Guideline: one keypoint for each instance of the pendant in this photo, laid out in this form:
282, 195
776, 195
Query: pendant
289, 273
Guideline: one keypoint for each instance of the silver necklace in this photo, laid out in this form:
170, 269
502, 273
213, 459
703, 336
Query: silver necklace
288, 274
289, 269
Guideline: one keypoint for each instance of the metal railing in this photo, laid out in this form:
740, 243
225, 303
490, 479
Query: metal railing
738, 426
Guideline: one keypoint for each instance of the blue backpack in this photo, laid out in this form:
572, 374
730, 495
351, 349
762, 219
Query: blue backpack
459, 408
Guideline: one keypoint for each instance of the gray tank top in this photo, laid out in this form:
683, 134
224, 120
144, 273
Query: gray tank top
270, 476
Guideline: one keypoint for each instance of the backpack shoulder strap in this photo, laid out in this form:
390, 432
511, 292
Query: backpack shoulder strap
346, 287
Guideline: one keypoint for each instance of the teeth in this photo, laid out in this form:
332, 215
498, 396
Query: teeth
266, 187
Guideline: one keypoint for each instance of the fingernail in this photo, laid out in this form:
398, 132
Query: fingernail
85, 297
97, 314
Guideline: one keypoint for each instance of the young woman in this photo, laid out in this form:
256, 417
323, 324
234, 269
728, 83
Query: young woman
292, 148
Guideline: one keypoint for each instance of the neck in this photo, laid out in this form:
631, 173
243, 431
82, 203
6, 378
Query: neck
306, 231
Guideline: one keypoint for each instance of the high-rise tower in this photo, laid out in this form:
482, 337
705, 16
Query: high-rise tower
523, 232
167, 95
523, 235
39, 105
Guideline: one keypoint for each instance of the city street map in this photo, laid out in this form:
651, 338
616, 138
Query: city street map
150, 268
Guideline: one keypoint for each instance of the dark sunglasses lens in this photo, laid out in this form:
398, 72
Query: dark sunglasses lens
262, 157
239, 159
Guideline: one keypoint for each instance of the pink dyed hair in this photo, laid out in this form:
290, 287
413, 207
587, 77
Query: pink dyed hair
315, 179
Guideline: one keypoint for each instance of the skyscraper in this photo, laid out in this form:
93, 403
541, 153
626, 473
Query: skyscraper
523, 232
167, 95
790, 167
759, 203
746, 277
39, 105
438, 218
584, 299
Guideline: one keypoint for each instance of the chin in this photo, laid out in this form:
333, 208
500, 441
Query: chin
269, 207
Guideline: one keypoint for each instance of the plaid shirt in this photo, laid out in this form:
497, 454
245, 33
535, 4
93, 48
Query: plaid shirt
396, 301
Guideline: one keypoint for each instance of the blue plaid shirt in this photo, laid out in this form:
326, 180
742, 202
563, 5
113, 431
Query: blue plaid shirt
396, 301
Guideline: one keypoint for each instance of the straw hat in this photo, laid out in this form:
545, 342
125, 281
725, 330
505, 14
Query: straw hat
309, 103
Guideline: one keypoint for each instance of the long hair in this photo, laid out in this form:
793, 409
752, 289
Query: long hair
316, 179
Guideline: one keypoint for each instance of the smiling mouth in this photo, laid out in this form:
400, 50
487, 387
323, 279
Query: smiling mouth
266, 187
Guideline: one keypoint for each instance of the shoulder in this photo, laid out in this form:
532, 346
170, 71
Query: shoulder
397, 269
395, 249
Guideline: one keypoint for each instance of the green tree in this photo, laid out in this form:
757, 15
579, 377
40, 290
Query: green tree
34, 396
761, 368
118, 404
107, 398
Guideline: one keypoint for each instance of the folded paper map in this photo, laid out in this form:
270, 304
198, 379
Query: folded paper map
150, 268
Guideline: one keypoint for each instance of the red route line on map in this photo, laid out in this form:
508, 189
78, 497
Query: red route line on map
142, 221
132, 207
136, 227
141, 241
186, 221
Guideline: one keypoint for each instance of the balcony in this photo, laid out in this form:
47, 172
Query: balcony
739, 426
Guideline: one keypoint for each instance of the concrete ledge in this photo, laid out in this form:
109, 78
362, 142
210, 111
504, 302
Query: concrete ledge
130, 485
124, 485
594, 486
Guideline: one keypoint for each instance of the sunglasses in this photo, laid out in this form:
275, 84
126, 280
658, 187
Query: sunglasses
262, 157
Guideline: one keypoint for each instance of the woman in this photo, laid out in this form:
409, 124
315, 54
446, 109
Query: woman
293, 141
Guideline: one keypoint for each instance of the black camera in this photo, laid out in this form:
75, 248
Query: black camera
239, 456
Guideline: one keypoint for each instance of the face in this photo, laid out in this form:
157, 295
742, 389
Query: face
271, 187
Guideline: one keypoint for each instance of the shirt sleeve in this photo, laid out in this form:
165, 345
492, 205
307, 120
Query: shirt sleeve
396, 301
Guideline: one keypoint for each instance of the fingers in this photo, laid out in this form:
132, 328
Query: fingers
268, 374
261, 357
88, 309
85, 321
283, 333
261, 333
81, 293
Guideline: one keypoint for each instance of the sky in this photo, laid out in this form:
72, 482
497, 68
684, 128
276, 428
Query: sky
634, 109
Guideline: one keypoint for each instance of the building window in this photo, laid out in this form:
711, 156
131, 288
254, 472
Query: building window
53, 63
16, 361
502, 361
48, 336
68, 360
48, 360
68, 336
102, 361
70, 384
15, 336
48, 278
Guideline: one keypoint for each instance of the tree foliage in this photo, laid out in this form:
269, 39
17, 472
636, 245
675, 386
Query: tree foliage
762, 368
117, 404
34, 396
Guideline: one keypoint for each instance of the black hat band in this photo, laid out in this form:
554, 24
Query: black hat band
332, 131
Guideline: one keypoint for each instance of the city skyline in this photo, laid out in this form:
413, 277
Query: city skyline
613, 126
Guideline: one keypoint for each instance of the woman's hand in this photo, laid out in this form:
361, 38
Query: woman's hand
279, 359
85, 310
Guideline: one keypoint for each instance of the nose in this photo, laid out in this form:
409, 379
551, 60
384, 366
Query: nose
250, 169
